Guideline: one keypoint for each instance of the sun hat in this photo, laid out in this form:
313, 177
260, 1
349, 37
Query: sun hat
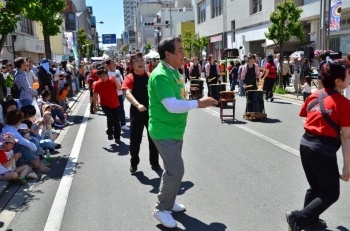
8, 137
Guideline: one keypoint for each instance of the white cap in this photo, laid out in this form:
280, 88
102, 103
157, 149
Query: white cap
23, 126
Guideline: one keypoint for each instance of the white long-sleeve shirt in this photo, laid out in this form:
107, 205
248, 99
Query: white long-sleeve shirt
174, 105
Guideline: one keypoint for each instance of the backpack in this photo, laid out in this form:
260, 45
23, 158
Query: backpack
15, 91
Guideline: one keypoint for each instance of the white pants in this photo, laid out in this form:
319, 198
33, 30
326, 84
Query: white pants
296, 81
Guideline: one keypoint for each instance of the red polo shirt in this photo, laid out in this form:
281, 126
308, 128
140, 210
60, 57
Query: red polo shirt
108, 93
338, 108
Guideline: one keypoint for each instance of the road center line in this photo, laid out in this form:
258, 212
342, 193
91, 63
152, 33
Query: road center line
259, 135
54, 220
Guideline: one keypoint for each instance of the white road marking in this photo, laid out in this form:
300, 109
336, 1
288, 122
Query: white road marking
55, 217
268, 139
261, 136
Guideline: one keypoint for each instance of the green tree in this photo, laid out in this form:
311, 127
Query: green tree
124, 49
90, 51
199, 44
10, 11
48, 13
85, 46
285, 24
194, 43
188, 42
100, 52
148, 47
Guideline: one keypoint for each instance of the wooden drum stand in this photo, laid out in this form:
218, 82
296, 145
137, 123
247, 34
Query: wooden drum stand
227, 97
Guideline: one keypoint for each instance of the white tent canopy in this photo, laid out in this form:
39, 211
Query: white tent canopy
152, 55
297, 54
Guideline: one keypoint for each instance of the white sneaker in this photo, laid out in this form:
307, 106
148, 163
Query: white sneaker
178, 207
125, 128
165, 218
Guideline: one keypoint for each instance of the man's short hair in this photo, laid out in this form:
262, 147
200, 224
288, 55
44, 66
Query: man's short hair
18, 62
167, 44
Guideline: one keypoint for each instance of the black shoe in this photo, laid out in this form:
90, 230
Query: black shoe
133, 169
58, 146
117, 141
156, 168
292, 224
110, 137
319, 224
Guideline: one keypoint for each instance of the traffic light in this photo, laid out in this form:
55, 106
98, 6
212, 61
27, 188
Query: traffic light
149, 24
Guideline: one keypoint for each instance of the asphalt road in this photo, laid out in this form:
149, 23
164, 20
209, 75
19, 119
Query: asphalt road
238, 176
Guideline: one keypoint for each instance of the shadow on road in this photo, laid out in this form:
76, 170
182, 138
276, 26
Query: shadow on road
122, 149
270, 121
193, 224
155, 182
342, 228
233, 122
280, 102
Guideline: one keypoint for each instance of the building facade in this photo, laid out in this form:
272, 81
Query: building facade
129, 31
144, 20
243, 24
58, 43
26, 42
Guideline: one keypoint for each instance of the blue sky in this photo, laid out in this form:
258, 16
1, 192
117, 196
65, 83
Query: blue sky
111, 13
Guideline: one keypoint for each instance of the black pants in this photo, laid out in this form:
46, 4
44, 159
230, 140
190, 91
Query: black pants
81, 81
136, 130
285, 81
268, 87
214, 81
113, 126
305, 95
92, 102
323, 176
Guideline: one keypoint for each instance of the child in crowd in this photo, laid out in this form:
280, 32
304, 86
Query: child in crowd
306, 88
62, 96
46, 130
8, 169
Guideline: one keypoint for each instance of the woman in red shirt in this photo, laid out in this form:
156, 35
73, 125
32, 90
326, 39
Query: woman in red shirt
270, 77
327, 127
107, 88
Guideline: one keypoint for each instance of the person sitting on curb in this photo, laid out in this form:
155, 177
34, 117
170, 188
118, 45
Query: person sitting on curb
25, 147
8, 169
57, 110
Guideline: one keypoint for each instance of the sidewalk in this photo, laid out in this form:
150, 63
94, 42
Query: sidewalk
293, 95
6, 185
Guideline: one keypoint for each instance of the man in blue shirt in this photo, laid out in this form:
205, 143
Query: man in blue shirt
27, 92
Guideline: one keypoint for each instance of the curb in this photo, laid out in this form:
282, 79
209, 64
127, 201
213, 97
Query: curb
290, 96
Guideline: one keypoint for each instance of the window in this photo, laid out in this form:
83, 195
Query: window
26, 25
233, 29
70, 22
201, 12
216, 8
257, 6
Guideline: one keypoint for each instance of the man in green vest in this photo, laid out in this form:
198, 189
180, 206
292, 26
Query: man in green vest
168, 107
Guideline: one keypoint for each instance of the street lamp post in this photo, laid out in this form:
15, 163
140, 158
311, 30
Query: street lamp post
95, 51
